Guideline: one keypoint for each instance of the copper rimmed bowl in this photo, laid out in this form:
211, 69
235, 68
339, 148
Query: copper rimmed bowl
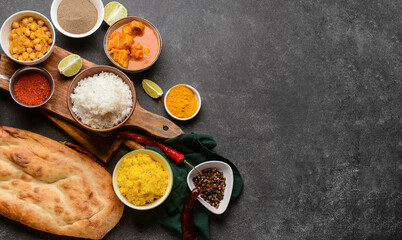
26, 70
125, 21
89, 73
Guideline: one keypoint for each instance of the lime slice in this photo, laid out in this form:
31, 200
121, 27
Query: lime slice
114, 11
151, 88
70, 65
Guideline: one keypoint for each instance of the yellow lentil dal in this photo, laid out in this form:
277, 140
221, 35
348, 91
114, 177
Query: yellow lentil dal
141, 179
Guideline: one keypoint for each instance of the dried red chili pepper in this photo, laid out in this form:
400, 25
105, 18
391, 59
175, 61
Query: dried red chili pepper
187, 221
170, 152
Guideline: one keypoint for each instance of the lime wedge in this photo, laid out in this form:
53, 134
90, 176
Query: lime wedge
151, 88
70, 65
114, 11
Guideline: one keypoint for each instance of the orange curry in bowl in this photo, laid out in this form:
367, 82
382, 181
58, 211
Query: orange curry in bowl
133, 45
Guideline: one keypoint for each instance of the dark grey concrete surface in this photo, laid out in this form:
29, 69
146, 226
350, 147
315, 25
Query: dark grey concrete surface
303, 96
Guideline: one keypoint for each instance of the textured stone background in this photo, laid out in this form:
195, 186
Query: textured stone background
303, 96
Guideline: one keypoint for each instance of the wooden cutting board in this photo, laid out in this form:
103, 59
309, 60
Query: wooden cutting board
56, 110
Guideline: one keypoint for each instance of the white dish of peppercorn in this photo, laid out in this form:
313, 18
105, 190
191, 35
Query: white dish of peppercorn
216, 182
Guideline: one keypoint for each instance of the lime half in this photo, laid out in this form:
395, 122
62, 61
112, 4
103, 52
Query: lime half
114, 11
70, 65
151, 88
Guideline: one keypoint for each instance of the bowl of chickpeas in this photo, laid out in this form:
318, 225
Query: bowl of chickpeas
27, 37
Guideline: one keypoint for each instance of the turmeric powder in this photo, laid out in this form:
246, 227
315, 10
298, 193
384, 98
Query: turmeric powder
181, 101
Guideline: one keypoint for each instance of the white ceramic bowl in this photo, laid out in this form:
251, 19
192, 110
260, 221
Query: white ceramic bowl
197, 95
227, 173
53, 14
6, 30
156, 156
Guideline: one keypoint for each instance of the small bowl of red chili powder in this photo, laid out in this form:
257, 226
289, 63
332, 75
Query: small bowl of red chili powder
31, 86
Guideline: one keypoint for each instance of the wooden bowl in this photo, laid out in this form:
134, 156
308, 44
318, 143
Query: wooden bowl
122, 22
90, 72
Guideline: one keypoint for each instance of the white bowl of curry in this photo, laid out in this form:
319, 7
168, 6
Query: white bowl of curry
133, 44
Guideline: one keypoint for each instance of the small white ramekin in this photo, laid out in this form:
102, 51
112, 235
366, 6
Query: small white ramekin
197, 95
6, 29
53, 14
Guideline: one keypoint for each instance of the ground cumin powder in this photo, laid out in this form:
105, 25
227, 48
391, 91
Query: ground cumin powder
77, 16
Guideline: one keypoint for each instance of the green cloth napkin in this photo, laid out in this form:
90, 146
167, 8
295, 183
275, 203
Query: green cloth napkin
197, 148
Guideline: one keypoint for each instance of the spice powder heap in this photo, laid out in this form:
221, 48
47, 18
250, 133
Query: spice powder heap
181, 101
77, 16
32, 89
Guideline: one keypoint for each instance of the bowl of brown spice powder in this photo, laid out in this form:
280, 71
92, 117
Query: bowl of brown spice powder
77, 18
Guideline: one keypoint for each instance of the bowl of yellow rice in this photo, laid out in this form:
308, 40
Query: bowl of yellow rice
142, 179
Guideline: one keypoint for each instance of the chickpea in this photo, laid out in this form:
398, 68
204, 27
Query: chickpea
33, 27
30, 39
38, 47
25, 21
27, 33
15, 25
32, 56
13, 36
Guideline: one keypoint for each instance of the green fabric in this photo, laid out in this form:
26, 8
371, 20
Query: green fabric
197, 148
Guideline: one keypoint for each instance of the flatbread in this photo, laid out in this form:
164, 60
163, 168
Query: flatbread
50, 187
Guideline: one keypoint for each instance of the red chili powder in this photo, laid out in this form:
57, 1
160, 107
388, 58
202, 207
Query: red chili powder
32, 89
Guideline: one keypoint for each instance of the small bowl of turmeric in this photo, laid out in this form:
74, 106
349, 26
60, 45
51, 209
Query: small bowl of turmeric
182, 102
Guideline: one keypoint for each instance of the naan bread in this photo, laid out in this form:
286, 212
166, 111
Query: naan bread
50, 187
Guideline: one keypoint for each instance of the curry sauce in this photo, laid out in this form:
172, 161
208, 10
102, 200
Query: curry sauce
134, 45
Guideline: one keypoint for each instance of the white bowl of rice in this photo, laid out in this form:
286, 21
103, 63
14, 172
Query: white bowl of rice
101, 98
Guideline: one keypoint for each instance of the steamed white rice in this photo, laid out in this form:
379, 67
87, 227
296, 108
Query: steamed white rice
102, 101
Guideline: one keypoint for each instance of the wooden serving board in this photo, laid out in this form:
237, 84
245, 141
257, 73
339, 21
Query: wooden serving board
102, 146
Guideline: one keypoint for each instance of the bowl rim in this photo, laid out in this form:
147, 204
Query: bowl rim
149, 205
28, 69
111, 28
53, 16
39, 59
228, 173
198, 100
100, 68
